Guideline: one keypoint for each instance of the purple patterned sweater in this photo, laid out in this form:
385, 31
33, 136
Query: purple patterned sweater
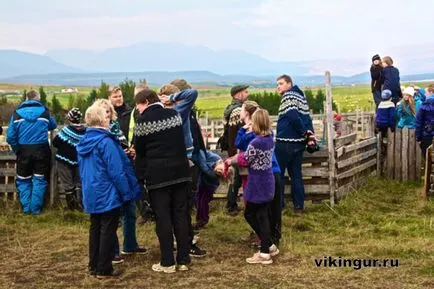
258, 158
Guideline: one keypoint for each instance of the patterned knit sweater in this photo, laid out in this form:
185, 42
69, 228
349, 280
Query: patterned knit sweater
294, 119
66, 142
258, 158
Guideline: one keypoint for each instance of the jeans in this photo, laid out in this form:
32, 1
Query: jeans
128, 216
170, 205
257, 215
290, 156
102, 239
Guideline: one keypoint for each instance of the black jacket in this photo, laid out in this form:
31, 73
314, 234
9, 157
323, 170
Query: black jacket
124, 116
160, 148
376, 77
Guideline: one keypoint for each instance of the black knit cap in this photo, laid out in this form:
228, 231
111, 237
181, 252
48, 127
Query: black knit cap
376, 57
74, 115
238, 88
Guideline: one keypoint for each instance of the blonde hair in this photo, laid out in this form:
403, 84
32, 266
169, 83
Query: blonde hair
388, 60
104, 103
95, 115
261, 123
168, 89
250, 106
410, 103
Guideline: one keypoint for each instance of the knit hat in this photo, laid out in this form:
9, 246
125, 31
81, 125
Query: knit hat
74, 115
376, 57
409, 90
238, 88
386, 94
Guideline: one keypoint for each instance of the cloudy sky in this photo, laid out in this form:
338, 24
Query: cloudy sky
274, 29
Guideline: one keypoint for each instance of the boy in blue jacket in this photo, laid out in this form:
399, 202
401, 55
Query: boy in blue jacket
386, 113
108, 181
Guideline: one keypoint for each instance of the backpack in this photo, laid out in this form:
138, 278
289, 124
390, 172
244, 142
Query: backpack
223, 141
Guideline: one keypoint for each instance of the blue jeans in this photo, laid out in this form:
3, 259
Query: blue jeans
128, 216
290, 156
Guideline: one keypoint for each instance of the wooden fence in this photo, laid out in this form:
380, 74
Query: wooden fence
429, 173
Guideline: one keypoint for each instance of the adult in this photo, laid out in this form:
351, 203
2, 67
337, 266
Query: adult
391, 79
425, 121
294, 127
233, 120
376, 74
161, 160
28, 136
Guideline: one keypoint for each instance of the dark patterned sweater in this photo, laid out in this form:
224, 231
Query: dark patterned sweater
66, 142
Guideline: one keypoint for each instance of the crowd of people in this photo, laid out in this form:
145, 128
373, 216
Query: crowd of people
409, 107
152, 158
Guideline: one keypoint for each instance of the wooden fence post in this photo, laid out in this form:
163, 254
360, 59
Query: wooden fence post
405, 154
412, 155
379, 158
390, 152
53, 172
330, 137
397, 154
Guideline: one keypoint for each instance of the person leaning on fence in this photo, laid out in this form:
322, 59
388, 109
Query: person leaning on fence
66, 156
390, 79
376, 74
386, 114
162, 161
407, 109
425, 121
232, 112
28, 137
109, 182
294, 130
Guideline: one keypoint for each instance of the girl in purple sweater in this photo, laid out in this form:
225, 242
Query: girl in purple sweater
260, 185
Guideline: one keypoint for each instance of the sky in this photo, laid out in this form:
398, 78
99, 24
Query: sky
280, 30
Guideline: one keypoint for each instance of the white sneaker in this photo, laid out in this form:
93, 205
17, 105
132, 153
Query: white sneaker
181, 268
260, 258
159, 268
274, 251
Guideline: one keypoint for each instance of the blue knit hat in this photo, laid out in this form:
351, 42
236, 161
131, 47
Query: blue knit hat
386, 94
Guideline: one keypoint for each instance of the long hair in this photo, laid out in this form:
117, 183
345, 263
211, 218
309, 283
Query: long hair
411, 104
250, 106
261, 124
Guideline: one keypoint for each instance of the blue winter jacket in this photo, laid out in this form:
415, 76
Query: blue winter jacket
294, 119
206, 161
391, 81
184, 104
420, 95
107, 175
242, 142
425, 120
386, 115
406, 117
29, 125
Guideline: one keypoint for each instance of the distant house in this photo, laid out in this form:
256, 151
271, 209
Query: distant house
69, 90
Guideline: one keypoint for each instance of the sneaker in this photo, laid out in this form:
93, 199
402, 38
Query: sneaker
274, 251
117, 260
260, 258
139, 251
115, 273
197, 252
181, 268
165, 269
233, 212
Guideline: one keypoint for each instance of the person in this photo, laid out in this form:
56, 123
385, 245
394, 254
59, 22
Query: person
386, 114
260, 188
337, 124
232, 112
425, 121
376, 76
390, 79
108, 182
419, 94
244, 136
162, 161
407, 109
115, 127
28, 136
183, 102
294, 130
66, 156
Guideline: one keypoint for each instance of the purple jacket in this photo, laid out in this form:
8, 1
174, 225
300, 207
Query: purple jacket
258, 158
425, 120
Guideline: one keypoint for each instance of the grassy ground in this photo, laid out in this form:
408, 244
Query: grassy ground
382, 220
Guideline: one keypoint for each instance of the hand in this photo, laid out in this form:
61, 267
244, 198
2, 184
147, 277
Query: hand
131, 152
228, 162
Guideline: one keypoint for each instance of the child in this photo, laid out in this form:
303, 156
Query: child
425, 121
244, 136
407, 109
66, 142
337, 123
386, 115
108, 181
260, 187
391, 79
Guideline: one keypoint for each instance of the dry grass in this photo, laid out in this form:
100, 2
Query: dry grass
383, 220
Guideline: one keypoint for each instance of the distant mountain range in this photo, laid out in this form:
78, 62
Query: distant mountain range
160, 63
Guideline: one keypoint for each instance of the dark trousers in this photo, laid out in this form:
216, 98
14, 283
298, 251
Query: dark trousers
192, 192
424, 145
233, 191
204, 197
276, 212
128, 217
290, 156
170, 205
102, 239
257, 215
144, 204
377, 97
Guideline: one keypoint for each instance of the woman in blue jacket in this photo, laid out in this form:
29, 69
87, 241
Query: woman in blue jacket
407, 109
108, 181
